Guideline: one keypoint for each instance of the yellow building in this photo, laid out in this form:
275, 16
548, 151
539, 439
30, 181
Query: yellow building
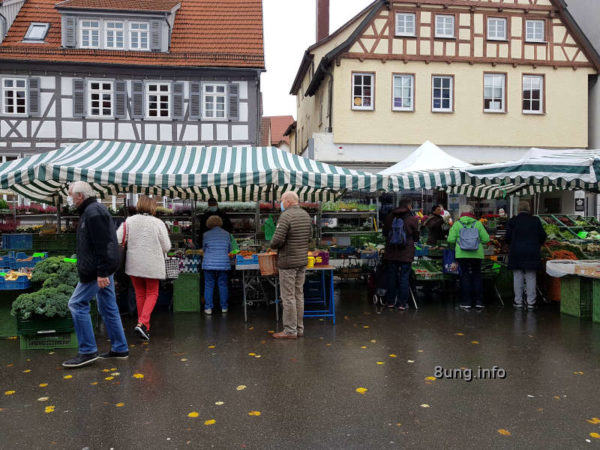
484, 79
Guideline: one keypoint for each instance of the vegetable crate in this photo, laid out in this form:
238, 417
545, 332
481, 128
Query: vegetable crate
48, 342
22, 282
578, 295
62, 243
186, 293
20, 260
44, 325
17, 241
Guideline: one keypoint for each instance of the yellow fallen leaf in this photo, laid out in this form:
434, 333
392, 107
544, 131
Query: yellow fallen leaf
212, 346
595, 435
210, 422
393, 356
49, 409
114, 369
328, 344
94, 383
475, 342
219, 403
363, 347
144, 343
51, 353
251, 328
10, 365
504, 432
120, 405
578, 373
373, 341
43, 384
365, 326
183, 359
43, 399
193, 414
460, 334
105, 370
361, 390
254, 413
410, 361
257, 356
420, 351
138, 375
241, 387
425, 405
68, 377
251, 354
12, 338
594, 421
556, 397
380, 363
115, 374
27, 371
430, 378
109, 378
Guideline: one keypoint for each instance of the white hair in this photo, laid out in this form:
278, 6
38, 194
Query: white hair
291, 197
466, 209
83, 188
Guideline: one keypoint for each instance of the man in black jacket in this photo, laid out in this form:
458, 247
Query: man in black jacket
213, 210
97, 261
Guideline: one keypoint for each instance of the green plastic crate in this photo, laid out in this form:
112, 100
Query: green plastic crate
577, 296
186, 293
48, 341
596, 302
45, 325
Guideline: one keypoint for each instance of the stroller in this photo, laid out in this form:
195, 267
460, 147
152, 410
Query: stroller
377, 289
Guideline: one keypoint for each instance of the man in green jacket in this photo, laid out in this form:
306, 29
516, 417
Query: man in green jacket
291, 238
471, 284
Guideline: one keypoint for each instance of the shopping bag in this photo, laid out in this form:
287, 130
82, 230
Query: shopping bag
269, 228
449, 263
235, 249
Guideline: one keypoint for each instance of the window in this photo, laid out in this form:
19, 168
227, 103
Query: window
138, 36
100, 98
158, 100
37, 32
14, 95
214, 101
115, 36
362, 91
442, 93
496, 29
405, 24
533, 94
534, 31
444, 26
90, 32
403, 93
494, 92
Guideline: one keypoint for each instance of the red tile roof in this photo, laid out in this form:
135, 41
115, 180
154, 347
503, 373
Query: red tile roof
121, 5
278, 125
207, 33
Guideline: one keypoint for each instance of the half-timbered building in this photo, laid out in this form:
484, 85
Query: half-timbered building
484, 79
151, 71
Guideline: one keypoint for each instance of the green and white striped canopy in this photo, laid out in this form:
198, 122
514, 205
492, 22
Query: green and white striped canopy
226, 173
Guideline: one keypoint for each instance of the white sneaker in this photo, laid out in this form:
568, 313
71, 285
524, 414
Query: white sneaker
208, 311
224, 310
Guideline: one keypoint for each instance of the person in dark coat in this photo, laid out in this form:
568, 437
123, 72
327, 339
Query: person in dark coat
525, 235
434, 224
213, 210
398, 259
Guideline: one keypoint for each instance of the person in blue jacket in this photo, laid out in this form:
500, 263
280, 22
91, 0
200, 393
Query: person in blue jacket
216, 244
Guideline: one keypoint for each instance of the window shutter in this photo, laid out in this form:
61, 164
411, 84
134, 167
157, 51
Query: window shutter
69, 32
177, 100
195, 100
78, 97
234, 101
121, 99
137, 107
155, 36
34, 97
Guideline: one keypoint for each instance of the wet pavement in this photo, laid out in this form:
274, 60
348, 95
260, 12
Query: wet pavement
215, 382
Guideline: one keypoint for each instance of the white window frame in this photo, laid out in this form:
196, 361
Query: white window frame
34, 25
14, 89
90, 29
215, 102
401, 20
450, 90
159, 93
108, 30
541, 87
495, 36
492, 78
535, 30
102, 91
362, 96
403, 78
443, 18
139, 32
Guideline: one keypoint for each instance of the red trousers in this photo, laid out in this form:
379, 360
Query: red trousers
146, 295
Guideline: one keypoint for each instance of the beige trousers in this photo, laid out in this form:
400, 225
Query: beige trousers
291, 283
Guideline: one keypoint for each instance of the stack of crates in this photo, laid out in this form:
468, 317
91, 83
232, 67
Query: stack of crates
46, 333
578, 295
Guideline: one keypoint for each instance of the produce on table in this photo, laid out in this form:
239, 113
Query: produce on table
564, 254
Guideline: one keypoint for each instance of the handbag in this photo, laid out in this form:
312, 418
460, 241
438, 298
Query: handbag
172, 268
123, 251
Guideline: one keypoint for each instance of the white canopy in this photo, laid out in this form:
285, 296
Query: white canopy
427, 157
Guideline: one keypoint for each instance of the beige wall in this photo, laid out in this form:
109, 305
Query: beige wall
563, 125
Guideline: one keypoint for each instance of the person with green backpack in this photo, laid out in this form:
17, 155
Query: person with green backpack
468, 236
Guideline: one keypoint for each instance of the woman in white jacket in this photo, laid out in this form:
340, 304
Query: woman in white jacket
147, 241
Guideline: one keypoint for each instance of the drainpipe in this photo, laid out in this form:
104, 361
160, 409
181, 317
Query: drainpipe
330, 106
169, 26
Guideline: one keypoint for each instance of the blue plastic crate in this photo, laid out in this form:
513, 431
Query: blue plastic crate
246, 260
423, 251
11, 261
17, 241
23, 282
368, 255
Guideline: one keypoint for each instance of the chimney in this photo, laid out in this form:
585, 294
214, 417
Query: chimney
322, 19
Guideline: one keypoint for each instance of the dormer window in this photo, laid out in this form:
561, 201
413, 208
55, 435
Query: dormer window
115, 35
37, 32
138, 36
89, 33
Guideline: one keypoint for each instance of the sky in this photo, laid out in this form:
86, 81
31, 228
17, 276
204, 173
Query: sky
289, 29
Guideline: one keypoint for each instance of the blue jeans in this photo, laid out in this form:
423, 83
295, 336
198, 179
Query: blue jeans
220, 277
397, 283
471, 283
79, 304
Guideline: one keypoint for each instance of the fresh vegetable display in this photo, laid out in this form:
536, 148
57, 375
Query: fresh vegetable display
563, 254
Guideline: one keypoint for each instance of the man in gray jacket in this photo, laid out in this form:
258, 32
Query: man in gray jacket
292, 236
